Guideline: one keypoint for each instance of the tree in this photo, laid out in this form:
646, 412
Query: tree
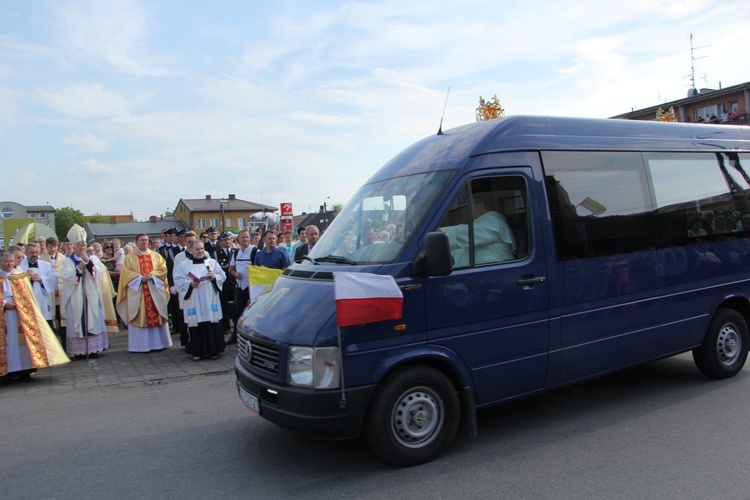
65, 217
98, 218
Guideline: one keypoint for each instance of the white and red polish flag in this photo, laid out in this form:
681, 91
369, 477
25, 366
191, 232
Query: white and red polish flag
365, 298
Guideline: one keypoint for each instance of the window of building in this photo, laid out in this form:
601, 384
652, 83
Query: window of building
228, 222
215, 222
201, 223
487, 222
705, 112
241, 222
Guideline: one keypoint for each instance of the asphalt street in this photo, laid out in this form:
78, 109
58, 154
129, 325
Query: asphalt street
160, 425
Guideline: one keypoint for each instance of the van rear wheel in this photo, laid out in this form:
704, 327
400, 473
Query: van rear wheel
724, 350
413, 417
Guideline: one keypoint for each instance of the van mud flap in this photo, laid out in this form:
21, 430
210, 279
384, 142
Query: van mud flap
470, 413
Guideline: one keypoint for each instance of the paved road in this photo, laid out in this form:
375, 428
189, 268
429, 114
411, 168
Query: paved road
162, 426
117, 366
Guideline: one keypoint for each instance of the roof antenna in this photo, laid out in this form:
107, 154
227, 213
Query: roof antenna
440, 128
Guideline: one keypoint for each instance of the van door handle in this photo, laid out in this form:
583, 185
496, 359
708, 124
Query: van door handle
413, 286
531, 281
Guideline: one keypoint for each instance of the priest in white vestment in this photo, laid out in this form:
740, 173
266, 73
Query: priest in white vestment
86, 325
54, 257
142, 298
199, 279
26, 340
43, 281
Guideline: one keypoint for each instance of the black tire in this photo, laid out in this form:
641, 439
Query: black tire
724, 350
413, 417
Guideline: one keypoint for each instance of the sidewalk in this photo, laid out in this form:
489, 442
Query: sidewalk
117, 366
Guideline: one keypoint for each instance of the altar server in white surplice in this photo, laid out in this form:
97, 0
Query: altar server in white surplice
198, 280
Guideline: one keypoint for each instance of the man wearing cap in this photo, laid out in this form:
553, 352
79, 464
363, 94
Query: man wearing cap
212, 244
86, 328
142, 298
224, 255
180, 243
168, 252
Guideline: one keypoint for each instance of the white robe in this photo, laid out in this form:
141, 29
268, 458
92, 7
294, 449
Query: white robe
204, 302
44, 291
73, 301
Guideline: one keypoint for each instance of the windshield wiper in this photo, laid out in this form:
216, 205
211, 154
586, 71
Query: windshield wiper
307, 257
338, 259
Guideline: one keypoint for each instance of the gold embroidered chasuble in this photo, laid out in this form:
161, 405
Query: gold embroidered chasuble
44, 348
139, 303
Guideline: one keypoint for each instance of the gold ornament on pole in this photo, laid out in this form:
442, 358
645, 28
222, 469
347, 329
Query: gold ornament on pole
666, 116
489, 109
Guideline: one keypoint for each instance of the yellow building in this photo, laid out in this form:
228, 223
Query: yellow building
225, 214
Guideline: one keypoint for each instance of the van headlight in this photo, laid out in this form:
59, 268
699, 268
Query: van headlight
315, 367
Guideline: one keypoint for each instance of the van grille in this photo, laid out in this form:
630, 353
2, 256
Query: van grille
258, 353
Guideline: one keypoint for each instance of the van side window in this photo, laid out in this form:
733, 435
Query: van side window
600, 203
487, 222
700, 197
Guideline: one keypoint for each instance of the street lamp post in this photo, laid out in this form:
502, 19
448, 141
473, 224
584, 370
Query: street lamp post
325, 212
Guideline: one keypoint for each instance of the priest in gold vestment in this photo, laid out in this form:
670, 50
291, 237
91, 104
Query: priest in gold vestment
26, 340
142, 298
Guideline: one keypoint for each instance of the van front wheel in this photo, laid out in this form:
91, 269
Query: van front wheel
413, 417
724, 350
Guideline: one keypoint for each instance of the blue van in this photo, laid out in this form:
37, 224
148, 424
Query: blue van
532, 253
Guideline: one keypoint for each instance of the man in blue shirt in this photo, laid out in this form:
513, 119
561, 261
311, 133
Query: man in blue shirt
271, 255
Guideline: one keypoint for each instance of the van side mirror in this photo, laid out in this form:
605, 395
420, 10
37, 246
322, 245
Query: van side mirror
437, 253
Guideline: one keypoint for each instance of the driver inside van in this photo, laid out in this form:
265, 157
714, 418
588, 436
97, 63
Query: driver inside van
493, 238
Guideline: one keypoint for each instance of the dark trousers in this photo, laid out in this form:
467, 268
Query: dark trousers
227, 302
178, 320
241, 298
60, 328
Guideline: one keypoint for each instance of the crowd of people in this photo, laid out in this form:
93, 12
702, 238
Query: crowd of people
77, 292
725, 118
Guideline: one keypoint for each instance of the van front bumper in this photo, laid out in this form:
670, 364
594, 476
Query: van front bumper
319, 414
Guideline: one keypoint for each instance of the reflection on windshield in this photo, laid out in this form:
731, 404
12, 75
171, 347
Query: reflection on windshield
376, 224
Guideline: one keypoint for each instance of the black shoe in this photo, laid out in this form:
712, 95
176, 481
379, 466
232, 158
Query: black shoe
231, 340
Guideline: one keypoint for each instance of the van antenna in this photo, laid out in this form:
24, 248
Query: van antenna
440, 128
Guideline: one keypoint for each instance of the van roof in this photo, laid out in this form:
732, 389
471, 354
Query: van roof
523, 133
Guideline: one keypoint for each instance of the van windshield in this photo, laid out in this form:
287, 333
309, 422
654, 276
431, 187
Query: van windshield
379, 220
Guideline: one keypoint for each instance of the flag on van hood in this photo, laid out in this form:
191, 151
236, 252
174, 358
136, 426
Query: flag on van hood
365, 298
260, 278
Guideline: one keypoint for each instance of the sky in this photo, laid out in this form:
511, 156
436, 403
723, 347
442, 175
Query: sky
126, 106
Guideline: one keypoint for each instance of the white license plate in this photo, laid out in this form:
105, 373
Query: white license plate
250, 400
